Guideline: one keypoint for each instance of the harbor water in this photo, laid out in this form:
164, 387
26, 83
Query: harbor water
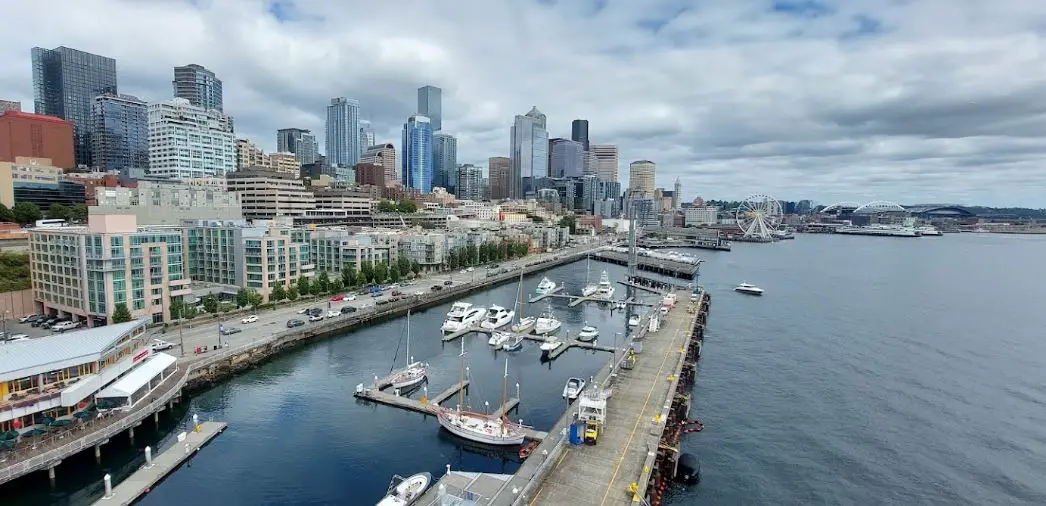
873, 371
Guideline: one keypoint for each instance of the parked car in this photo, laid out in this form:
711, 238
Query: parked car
348, 309
382, 302
419, 293
470, 269
160, 345
249, 319
448, 282
315, 311
64, 326
316, 318
350, 297
228, 331
303, 310
13, 339
436, 288
47, 324
396, 292
463, 271
376, 294
331, 313
337, 298
27, 317
295, 323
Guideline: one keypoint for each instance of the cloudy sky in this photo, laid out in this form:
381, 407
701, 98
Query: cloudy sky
904, 100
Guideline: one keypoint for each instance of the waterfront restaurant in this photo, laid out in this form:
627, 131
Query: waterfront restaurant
53, 380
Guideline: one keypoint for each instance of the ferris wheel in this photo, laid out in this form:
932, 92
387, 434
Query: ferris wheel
758, 216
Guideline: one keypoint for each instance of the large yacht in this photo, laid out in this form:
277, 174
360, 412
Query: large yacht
749, 289
604, 290
547, 322
497, 317
546, 286
462, 316
878, 230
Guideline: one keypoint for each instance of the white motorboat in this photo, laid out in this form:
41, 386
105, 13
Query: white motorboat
413, 373
464, 320
588, 333
633, 321
550, 345
481, 427
498, 339
407, 490
604, 290
545, 287
547, 322
573, 388
513, 344
459, 308
928, 230
497, 317
748, 289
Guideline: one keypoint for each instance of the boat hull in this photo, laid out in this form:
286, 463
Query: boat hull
500, 322
513, 345
542, 328
524, 325
587, 337
408, 491
481, 433
749, 292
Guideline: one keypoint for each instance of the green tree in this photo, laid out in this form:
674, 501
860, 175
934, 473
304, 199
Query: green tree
189, 312
14, 271
303, 286
535, 218
59, 212
177, 308
360, 279
78, 213
569, 221
381, 271
336, 286
210, 303
278, 292
292, 292
415, 268
254, 299
321, 283
406, 206
386, 206
120, 313
348, 274
403, 263
367, 269
394, 273
26, 213
243, 297
6, 215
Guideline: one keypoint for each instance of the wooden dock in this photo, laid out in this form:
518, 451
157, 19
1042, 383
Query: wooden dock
552, 355
537, 298
144, 479
664, 267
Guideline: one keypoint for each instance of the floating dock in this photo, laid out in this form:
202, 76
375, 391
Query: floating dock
552, 355
540, 297
144, 479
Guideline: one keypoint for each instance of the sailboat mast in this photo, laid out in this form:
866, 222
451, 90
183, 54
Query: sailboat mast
461, 391
409, 358
519, 294
504, 386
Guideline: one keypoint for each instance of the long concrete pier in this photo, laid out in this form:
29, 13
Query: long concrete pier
144, 479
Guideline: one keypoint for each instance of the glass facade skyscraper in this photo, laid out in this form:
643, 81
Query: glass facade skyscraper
343, 132
529, 152
417, 153
119, 133
567, 158
299, 141
445, 161
367, 138
198, 85
430, 105
65, 82
579, 132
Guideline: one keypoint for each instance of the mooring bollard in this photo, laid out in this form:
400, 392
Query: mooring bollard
148, 457
108, 480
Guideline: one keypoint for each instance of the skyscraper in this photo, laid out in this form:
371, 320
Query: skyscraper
119, 133
606, 161
566, 158
677, 194
299, 141
417, 153
579, 132
500, 169
641, 177
198, 85
529, 152
366, 135
470, 178
430, 105
65, 82
445, 161
384, 156
343, 132
187, 142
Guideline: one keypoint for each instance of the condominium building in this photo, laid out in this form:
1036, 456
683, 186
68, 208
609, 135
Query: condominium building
370, 174
500, 170
119, 133
428, 249
417, 154
235, 253
198, 85
85, 272
445, 161
266, 194
285, 163
333, 248
155, 203
186, 141
299, 141
469, 178
343, 132
249, 155
383, 155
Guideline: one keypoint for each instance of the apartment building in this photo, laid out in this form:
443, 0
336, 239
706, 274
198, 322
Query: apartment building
333, 248
266, 194
84, 272
429, 249
186, 141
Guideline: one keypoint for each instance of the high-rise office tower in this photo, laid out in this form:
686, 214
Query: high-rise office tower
366, 135
417, 153
566, 158
187, 142
470, 180
343, 132
445, 161
500, 170
430, 105
119, 133
528, 151
641, 177
606, 161
579, 132
198, 85
65, 82
299, 141
677, 194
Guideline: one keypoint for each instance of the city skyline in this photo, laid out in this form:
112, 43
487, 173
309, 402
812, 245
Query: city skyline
820, 132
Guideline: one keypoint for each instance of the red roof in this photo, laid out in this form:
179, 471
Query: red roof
31, 116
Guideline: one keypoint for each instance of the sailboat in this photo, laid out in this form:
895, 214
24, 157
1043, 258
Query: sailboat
524, 323
589, 288
414, 373
481, 427
547, 322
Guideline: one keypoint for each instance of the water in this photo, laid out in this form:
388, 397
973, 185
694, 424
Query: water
873, 371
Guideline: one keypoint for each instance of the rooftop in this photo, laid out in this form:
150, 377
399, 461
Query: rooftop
21, 359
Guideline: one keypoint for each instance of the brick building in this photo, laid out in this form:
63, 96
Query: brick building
36, 136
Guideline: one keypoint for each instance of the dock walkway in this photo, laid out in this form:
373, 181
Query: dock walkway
552, 355
144, 479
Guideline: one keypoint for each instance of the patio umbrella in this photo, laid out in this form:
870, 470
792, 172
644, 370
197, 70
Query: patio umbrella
83, 415
61, 422
35, 431
11, 434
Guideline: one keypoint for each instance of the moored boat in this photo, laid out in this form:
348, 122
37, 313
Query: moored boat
546, 286
588, 333
497, 317
481, 427
413, 373
604, 290
498, 339
573, 388
464, 317
633, 320
748, 289
547, 323
513, 344
407, 490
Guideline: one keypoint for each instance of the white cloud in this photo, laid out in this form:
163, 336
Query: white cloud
909, 101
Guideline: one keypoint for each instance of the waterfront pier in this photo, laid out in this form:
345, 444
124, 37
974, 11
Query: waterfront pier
552, 355
636, 453
662, 266
551, 293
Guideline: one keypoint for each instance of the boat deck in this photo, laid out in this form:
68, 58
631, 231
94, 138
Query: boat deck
552, 355
537, 298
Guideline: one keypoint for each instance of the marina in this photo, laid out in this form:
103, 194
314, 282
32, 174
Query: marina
664, 265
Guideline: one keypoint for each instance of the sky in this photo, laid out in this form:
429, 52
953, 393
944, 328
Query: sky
912, 101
